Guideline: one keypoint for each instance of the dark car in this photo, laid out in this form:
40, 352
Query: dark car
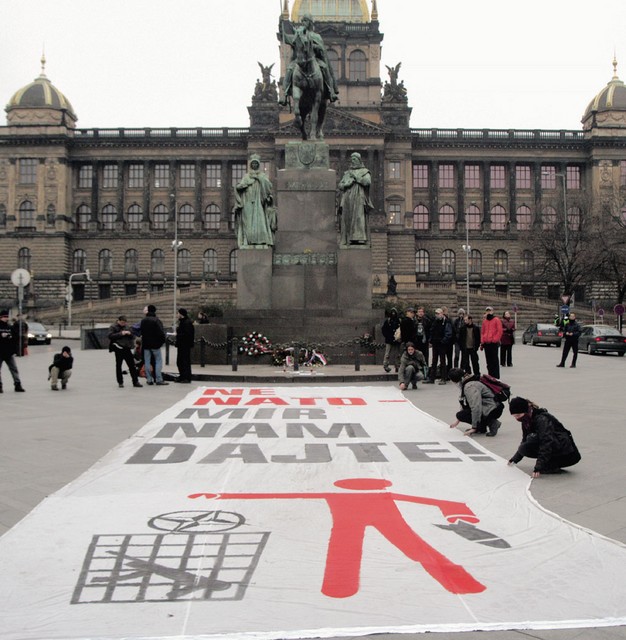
542, 333
600, 338
38, 334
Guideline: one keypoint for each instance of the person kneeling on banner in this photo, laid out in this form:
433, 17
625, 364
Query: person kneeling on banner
543, 438
479, 406
412, 367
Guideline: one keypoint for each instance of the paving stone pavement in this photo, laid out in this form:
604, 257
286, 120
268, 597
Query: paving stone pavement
47, 439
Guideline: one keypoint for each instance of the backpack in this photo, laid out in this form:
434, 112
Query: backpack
501, 390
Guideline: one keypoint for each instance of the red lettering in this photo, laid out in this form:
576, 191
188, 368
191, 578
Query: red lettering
346, 401
257, 401
224, 392
219, 401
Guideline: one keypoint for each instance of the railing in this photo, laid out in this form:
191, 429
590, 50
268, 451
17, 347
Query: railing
499, 134
160, 133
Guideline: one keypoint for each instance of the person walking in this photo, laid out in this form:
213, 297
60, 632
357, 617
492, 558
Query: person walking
469, 339
490, 337
422, 329
121, 343
390, 325
9, 338
543, 438
61, 367
457, 324
185, 336
571, 333
412, 367
440, 337
152, 339
508, 340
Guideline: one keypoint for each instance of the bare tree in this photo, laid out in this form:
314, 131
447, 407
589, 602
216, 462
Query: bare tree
611, 249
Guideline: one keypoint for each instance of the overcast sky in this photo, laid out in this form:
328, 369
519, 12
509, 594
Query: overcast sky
519, 64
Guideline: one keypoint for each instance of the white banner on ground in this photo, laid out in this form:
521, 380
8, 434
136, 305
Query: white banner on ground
289, 512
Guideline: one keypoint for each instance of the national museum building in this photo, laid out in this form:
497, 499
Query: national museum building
112, 200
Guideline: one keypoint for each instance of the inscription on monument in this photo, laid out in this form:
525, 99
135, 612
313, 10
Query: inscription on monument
305, 258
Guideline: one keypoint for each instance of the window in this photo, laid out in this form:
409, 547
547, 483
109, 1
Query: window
27, 171
232, 262
497, 176
130, 261
24, 258
448, 262
498, 218
185, 217
472, 176
83, 217
395, 213
548, 177
104, 291
212, 218
420, 218
187, 176
622, 173
420, 176
501, 262
79, 261
393, 168
573, 178
522, 177
109, 216
475, 262
527, 262
160, 216
161, 176
446, 218
110, 175
357, 63
238, 171
3, 215
184, 261
333, 59
573, 218
135, 176
130, 289
422, 262
473, 218
135, 216
85, 176
213, 176
105, 261
548, 216
157, 261
27, 214
446, 176
524, 218
78, 292
209, 262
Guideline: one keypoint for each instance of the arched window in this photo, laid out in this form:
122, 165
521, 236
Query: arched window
27, 214
527, 262
548, 217
79, 261
160, 216
420, 218
333, 58
498, 218
232, 262
473, 217
83, 216
135, 215
185, 217
475, 262
131, 260
524, 218
573, 218
422, 261
212, 218
209, 262
109, 216
184, 261
357, 63
157, 262
51, 214
448, 262
446, 218
23, 258
105, 261
501, 262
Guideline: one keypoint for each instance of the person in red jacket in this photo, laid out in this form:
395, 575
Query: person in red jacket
490, 337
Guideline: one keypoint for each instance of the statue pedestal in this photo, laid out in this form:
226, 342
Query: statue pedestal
354, 280
254, 278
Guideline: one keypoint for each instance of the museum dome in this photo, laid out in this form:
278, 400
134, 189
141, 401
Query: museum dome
608, 108
334, 10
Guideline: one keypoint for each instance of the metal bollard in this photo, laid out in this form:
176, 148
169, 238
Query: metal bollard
234, 354
357, 357
296, 359
202, 352
167, 352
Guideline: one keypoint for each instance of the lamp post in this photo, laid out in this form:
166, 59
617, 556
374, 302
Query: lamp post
467, 248
176, 244
70, 293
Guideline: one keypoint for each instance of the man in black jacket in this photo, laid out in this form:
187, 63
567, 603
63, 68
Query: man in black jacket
440, 338
61, 367
152, 339
571, 332
8, 348
121, 342
185, 335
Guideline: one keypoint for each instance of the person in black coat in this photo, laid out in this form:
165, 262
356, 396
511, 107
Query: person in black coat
440, 338
152, 339
392, 346
9, 338
469, 340
61, 367
571, 332
185, 336
121, 343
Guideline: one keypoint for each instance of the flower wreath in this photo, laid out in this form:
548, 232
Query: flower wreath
255, 344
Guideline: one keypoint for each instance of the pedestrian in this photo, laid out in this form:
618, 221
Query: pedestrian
479, 407
407, 328
185, 336
440, 338
490, 337
21, 327
543, 438
508, 340
412, 367
449, 345
390, 325
457, 324
152, 339
571, 333
469, 339
61, 367
121, 343
203, 318
422, 329
9, 338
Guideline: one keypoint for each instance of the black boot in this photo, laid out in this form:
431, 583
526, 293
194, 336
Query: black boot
19, 387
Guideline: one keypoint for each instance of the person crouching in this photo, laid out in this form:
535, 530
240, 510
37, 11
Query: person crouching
412, 366
61, 367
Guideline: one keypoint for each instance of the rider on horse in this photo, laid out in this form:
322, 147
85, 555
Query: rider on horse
307, 30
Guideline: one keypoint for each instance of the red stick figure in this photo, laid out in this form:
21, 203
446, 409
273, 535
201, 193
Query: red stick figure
352, 513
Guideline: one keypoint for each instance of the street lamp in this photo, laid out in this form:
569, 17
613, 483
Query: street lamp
70, 293
176, 245
467, 248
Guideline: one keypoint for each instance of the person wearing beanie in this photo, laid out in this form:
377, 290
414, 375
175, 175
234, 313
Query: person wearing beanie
185, 337
543, 438
121, 343
9, 339
440, 338
152, 339
479, 407
388, 329
61, 367
508, 340
412, 367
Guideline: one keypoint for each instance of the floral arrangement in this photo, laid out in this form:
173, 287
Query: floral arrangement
255, 344
308, 357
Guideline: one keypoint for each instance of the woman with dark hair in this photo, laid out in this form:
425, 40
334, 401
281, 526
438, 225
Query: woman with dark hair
508, 340
543, 438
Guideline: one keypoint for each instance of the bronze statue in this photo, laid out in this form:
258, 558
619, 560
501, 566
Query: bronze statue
355, 203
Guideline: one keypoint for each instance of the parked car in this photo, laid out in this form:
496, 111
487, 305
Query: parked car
542, 333
38, 334
600, 338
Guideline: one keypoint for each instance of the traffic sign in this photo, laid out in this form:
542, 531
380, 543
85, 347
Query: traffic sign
565, 309
619, 309
20, 277
565, 299
515, 308
600, 311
